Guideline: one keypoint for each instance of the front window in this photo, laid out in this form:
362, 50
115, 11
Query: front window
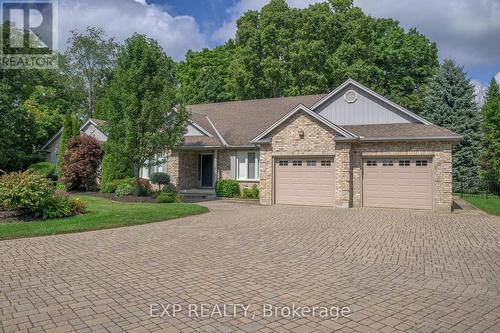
248, 165
153, 165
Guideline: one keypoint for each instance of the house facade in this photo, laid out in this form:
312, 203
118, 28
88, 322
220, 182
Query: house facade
349, 148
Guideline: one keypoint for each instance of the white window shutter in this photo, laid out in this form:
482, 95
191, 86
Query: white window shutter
232, 164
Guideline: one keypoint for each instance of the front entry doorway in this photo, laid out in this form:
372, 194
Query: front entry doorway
207, 170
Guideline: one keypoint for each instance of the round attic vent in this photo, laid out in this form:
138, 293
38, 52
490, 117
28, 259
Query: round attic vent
351, 96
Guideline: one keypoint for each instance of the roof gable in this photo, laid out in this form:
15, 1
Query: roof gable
369, 108
302, 108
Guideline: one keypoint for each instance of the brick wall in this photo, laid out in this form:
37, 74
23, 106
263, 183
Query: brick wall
317, 141
442, 166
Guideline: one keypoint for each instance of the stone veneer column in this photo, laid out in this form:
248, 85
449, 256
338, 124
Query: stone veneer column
173, 168
343, 185
357, 175
443, 196
266, 175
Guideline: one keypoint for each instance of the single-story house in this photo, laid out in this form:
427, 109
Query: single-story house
348, 148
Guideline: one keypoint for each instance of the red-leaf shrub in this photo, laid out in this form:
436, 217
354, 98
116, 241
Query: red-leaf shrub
80, 163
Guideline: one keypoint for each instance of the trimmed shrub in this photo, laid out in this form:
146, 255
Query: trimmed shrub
250, 193
25, 191
59, 205
113, 168
178, 198
43, 168
144, 187
110, 186
78, 206
159, 178
80, 164
165, 197
227, 188
125, 187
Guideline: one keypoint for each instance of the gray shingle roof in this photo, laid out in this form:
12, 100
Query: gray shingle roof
239, 122
408, 130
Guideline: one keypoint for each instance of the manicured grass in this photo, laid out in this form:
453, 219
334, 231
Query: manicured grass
102, 214
490, 205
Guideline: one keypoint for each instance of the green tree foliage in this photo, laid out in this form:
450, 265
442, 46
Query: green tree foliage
114, 167
17, 132
43, 105
282, 51
140, 104
490, 159
451, 104
89, 59
31, 104
66, 135
207, 75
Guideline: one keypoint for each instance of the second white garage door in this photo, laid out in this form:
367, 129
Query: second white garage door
307, 181
398, 183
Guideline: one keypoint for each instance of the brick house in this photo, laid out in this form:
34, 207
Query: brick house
349, 148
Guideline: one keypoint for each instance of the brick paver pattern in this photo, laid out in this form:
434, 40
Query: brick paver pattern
398, 271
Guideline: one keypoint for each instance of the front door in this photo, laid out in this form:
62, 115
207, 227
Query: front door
207, 170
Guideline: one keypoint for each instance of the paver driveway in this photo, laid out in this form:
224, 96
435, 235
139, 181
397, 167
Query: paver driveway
395, 270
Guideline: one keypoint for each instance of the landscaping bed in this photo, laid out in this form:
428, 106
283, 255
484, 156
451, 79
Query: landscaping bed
102, 214
114, 197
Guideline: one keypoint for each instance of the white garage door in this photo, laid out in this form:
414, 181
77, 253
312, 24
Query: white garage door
305, 181
398, 183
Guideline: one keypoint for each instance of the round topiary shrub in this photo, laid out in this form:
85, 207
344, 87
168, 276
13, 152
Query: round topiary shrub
159, 178
227, 188
165, 197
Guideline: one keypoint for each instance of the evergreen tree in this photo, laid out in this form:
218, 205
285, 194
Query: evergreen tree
75, 129
66, 135
490, 159
451, 104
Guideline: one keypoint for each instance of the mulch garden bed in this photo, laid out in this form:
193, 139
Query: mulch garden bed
114, 197
16, 217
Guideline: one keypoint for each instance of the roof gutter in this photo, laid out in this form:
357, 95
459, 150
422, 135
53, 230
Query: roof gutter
409, 138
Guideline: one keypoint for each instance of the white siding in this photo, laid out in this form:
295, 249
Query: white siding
366, 110
193, 131
94, 132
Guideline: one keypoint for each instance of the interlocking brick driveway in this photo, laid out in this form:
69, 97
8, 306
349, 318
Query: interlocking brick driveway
396, 270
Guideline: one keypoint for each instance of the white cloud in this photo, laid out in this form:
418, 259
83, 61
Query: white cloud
497, 77
467, 31
480, 90
121, 18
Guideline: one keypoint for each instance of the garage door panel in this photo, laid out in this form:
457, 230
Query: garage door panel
305, 184
397, 185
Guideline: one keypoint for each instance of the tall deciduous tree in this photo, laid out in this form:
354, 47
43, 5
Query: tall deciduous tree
90, 58
67, 133
490, 159
204, 75
451, 104
143, 120
282, 51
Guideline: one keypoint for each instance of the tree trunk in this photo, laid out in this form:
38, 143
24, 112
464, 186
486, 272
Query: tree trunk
136, 170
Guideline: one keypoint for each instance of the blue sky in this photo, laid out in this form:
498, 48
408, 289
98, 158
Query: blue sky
465, 30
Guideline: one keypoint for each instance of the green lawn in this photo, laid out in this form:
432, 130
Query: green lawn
490, 205
102, 214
